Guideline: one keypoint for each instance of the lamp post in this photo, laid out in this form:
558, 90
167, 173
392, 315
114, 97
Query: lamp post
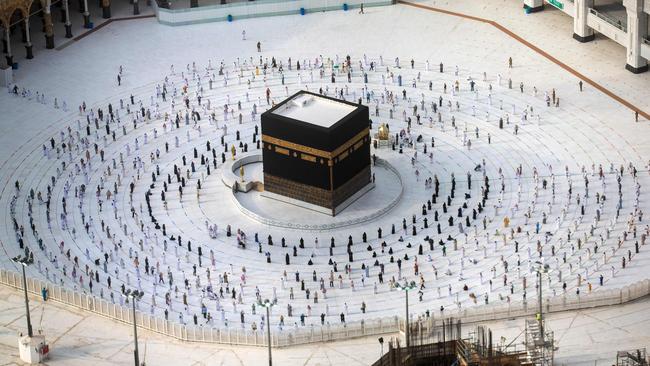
268, 304
134, 296
541, 269
24, 262
406, 287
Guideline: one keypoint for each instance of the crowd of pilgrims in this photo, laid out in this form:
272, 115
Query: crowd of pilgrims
120, 239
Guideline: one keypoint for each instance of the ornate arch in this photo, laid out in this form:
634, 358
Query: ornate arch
9, 7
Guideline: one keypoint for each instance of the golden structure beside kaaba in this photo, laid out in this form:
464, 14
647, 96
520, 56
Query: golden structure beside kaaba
384, 132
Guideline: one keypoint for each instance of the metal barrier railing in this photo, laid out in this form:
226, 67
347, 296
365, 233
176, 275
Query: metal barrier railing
609, 19
324, 333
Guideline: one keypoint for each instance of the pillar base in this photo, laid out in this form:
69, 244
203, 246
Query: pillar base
531, 9
136, 8
636, 70
585, 39
10, 60
68, 31
87, 21
30, 349
49, 42
106, 12
194, 3
29, 52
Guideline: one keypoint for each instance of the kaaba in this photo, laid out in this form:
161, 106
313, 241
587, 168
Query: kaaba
316, 152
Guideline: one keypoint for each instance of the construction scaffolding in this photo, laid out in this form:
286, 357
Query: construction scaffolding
540, 343
635, 357
434, 345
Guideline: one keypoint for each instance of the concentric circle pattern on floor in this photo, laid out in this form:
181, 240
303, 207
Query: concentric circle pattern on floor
481, 201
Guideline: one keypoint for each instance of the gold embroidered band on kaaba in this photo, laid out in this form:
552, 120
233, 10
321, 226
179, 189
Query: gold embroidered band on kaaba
355, 141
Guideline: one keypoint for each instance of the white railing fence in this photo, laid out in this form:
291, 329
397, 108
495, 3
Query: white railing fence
320, 333
609, 19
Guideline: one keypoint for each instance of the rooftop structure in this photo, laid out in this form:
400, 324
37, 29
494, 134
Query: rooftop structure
314, 109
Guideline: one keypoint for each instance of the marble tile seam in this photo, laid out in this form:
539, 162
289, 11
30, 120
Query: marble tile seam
538, 50
100, 26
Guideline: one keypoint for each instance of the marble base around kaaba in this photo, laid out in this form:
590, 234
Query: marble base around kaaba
324, 210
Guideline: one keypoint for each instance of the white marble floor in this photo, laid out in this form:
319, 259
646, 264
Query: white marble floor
589, 337
588, 129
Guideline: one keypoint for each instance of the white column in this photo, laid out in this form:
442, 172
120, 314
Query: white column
581, 31
637, 29
68, 25
534, 5
27, 36
86, 15
49, 27
9, 56
28, 44
67, 12
7, 37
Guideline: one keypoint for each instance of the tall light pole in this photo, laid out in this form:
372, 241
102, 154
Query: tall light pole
541, 269
268, 304
134, 296
24, 262
406, 287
